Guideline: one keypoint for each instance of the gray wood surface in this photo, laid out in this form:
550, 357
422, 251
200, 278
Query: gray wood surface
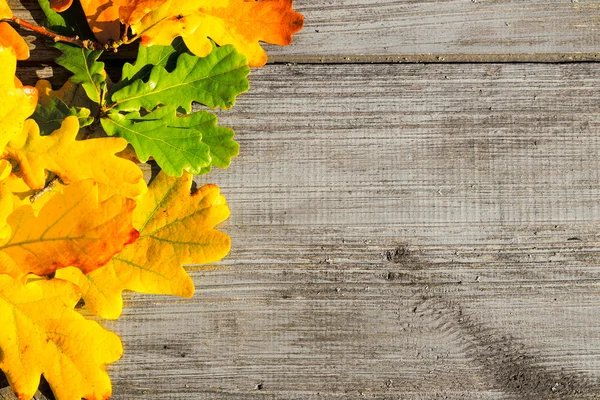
400, 231
432, 31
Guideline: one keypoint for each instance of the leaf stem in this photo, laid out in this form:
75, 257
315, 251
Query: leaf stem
46, 188
88, 44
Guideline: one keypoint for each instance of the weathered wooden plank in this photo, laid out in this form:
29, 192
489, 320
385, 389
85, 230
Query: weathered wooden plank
399, 232
427, 31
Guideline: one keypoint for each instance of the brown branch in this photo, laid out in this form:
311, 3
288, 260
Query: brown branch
88, 44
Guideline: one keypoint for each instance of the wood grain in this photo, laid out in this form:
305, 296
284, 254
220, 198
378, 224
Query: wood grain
399, 232
426, 31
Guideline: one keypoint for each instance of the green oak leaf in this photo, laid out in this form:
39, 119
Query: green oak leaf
157, 134
147, 58
87, 70
219, 139
214, 80
71, 22
50, 118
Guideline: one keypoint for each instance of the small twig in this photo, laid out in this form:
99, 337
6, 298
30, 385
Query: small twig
88, 44
47, 188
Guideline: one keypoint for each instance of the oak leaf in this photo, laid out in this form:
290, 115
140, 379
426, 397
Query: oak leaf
244, 23
214, 81
132, 11
147, 58
18, 101
172, 19
87, 70
103, 19
14, 192
50, 117
60, 5
10, 39
71, 229
174, 148
43, 334
175, 228
72, 159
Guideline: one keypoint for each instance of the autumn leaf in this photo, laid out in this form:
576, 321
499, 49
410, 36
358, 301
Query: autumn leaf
87, 70
172, 19
72, 229
18, 101
244, 23
175, 228
132, 11
214, 81
73, 160
43, 334
104, 16
14, 193
5, 11
103, 19
60, 5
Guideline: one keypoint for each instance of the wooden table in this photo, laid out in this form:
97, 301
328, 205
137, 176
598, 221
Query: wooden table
415, 214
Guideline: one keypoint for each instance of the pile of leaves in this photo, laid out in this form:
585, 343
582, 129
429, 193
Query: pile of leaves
78, 222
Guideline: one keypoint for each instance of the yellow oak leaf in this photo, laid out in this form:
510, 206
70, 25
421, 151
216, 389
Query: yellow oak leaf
14, 193
175, 228
132, 11
5, 11
71, 159
18, 101
172, 19
243, 23
43, 334
72, 229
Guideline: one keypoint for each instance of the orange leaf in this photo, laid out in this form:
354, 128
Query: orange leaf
18, 102
60, 5
244, 23
132, 11
172, 19
9, 38
103, 19
72, 229
175, 228
43, 334
104, 16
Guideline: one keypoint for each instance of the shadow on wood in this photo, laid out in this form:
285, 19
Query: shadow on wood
44, 392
